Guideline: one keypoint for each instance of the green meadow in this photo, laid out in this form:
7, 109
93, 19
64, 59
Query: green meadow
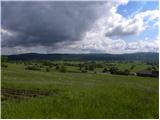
74, 94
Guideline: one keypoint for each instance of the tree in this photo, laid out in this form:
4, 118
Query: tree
63, 68
149, 68
80, 66
47, 63
153, 67
47, 69
4, 58
91, 67
126, 72
4, 65
113, 70
84, 71
105, 70
32, 67
86, 67
132, 67
57, 67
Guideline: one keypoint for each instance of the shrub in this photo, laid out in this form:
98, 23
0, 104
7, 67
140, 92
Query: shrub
86, 67
126, 72
63, 68
153, 67
132, 67
47, 63
113, 70
47, 69
57, 67
32, 67
105, 70
80, 66
91, 67
120, 72
25, 63
84, 71
4, 65
4, 58
149, 68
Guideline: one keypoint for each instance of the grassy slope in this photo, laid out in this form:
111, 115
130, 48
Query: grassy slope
81, 95
139, 66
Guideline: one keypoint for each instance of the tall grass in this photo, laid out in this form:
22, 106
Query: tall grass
80, 95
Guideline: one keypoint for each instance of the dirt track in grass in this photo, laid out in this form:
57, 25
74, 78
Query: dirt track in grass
17, 93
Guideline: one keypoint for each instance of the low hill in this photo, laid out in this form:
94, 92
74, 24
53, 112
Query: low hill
145, 56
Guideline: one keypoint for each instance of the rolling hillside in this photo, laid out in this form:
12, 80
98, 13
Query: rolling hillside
147, 57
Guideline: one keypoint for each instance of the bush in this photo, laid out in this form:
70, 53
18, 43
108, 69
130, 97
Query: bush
25, 63
63, 68
91, 67
153, 67
119, 72
57, 67
132, 67
47, 63
149, 68
86, 67
84, 71
80, 66
32, 68
105, 70
4, 65
99, 65
126, 72
113, 70
4, 58
47, 69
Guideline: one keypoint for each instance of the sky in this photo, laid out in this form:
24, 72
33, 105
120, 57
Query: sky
116, 27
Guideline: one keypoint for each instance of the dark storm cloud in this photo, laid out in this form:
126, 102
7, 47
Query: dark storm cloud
47, 23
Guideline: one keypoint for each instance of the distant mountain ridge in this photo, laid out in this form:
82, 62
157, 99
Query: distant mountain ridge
143, 56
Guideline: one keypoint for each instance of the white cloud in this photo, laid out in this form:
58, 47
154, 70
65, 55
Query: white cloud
99, 38
6, 32
115, 24
143, 46
121, 26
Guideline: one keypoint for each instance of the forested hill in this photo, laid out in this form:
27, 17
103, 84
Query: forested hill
145, 56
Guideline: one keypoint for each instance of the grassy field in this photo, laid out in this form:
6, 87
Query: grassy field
78, 95
138, 66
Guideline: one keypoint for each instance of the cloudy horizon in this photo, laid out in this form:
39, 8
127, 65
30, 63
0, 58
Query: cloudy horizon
79, 27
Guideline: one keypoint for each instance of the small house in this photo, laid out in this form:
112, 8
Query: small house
148, 73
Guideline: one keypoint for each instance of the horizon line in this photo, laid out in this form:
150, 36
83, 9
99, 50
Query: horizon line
75, 53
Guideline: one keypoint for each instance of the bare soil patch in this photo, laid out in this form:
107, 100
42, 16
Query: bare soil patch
21, 93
